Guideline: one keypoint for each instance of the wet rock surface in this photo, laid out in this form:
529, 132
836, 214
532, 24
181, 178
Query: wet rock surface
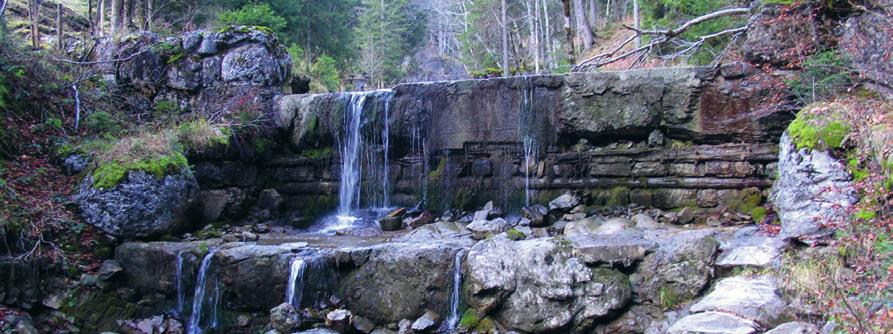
142, 205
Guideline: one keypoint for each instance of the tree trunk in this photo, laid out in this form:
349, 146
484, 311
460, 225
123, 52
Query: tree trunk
593, 14
150, 13
116, 11
90, 17
583, 28
34, 17
505, 42
2, 7
60, 35
128, 14
536, 37
568, 31
100, 19
547, 37
636, 22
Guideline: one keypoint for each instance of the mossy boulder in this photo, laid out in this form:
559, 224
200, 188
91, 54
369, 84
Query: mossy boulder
819, 127
137, 203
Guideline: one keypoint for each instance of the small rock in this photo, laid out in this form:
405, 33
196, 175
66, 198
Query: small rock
794, 328
404, 326
388, 223
363, 325
260, 228
397, 213
565, 202
613, 226
573, 216
713, 221
109, 269
656, 138
582, 226
669, 218
753, 298
269, 199
75, 164
537, 214
644, 221
484, 213
284, 318
248, 236
338, 320
451, 215
686, 215
427, 323
713, 322
484, 228
243, 320
425, 218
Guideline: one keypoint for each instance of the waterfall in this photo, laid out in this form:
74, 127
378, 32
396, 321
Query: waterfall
349, 188
453, 320
295, 282
181, 293
194, 324
528, 137
385, 143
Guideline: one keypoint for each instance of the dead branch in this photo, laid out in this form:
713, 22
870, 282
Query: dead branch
662, 36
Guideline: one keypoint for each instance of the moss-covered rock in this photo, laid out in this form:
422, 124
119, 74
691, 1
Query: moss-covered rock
819, 127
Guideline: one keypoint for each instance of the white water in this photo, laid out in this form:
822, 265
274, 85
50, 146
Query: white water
453, 320
181, 292
351, 166
295, 285
194, 324
385, 142
528, 138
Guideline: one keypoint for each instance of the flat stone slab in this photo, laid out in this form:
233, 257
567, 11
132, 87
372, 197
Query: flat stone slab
753, 298
750, 248
625, 247
713, 323
794, 328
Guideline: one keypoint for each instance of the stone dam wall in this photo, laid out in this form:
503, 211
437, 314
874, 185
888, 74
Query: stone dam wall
668, 138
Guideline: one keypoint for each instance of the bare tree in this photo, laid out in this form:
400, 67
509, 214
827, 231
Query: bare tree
584, 31
636, 21
100, 18
505, 42
34, 17
117, 12
2, 7
568, 31
661, 37
593, 14
60, 35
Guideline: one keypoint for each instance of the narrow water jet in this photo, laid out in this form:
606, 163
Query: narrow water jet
194, 324
295, 285
385, 144
528, 135
181, 292
453, 320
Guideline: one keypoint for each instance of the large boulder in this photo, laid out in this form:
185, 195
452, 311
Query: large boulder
680, 267
812, 189
140, 206
753, 298
868, 39
539, 286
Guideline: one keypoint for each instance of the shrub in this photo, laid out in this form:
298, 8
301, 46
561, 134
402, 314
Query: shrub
254, 14
101, 122
825, 75
199, 135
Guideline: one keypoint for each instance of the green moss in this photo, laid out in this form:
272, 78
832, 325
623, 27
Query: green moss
109, 174
317, 153
668, 297
486, 325
516, 235
865, 215
758, 213
618, 196
746, 201
202, 249
437, 173
470, 319
811, 131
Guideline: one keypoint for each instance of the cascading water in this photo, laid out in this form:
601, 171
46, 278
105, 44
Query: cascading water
453, 320
295, 285
194, 324
181, 292
385, 143
528, 138
351, 167
360, 152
